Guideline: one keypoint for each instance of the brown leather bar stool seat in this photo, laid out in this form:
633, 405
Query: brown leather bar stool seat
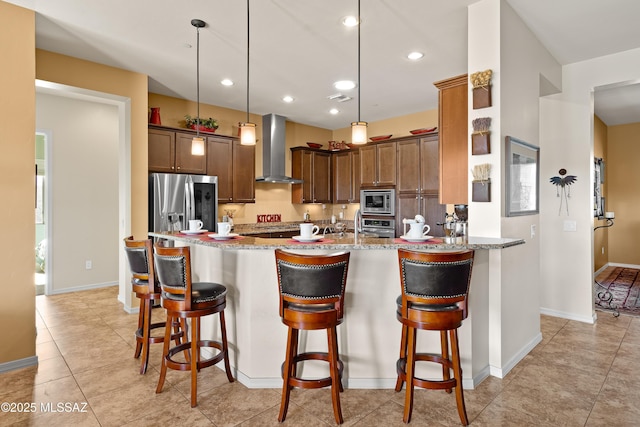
184, 299
143, 283
311, 291
435, 287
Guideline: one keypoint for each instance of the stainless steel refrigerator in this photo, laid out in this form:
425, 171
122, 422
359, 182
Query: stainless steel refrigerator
174, 199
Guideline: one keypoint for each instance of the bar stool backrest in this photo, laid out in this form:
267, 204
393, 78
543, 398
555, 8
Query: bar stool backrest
435, 278
140, 257
173, 267
312, 279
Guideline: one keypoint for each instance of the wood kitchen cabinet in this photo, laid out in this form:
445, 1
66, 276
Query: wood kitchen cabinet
454, 139
314, 168
234, 165
417, 187
170, 152
346, 176
378, 164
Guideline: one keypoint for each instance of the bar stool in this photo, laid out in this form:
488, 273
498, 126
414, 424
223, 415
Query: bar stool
143, 283
435, 287
184, 299
311, 291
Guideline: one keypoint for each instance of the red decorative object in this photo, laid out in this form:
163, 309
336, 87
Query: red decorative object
154, 118
203, 128
380, 138
422, 130
314, 144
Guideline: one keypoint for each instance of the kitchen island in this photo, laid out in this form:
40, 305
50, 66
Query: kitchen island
369, 337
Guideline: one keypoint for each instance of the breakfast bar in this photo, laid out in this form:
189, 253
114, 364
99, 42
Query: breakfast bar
369, 338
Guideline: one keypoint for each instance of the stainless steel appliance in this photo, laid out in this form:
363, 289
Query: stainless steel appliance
380, 202
174, 199
382, 227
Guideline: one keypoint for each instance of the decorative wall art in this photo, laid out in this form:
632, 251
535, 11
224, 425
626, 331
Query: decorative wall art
481, 83
522, 176
481, 136
563, 187
598, 199
481, 184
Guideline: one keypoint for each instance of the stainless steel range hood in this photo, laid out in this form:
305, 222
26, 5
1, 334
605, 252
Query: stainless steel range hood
273, 151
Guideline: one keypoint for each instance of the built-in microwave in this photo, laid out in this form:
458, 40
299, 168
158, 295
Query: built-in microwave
378, 202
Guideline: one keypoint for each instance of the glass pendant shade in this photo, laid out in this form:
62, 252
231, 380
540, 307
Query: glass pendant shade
197, 146
247, 133
359, 133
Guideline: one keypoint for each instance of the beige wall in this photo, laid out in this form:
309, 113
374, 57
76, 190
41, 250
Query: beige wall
622, 178
84, 190
600, 236
17, 143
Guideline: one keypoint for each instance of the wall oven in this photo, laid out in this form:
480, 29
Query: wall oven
379, 202
382, 227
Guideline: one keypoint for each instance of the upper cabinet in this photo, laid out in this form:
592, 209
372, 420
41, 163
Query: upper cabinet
346, 176
314, 168
170, 152
225, 157
454, 137
378, 164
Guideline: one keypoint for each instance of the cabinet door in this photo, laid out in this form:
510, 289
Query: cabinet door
301, 168
429, 170
321, 177
244, 173
433, 213
162, 151
342, 177
355, 177
454, 140
408, 206
409, 160
386, 163
185, 161
368, 176
219, 163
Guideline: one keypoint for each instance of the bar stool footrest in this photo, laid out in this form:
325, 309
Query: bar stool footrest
203, 363
401, 366
316, 382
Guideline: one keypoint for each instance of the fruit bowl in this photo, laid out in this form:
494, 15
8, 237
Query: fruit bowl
314, 145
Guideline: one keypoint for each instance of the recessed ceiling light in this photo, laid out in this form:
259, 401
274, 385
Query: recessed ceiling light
350, 21
334, 111
415, 55
287, 98
344, 85
227, 82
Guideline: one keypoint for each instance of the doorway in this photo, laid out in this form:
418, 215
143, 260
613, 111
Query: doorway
41, 218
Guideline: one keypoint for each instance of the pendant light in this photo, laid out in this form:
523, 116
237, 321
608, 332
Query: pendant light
247, 129
197, 143
359, 128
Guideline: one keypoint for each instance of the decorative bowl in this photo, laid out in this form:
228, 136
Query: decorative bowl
314, 145
422, 130
380, 137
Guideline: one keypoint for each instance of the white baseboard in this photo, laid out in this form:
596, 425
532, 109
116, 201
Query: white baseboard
501, 372
82, 288
20, 363
569, 316
616, 264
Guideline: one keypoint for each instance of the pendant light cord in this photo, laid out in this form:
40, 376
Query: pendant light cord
247, 61
359, 22
198, 81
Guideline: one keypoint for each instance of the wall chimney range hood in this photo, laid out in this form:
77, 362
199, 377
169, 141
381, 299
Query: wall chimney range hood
273, 151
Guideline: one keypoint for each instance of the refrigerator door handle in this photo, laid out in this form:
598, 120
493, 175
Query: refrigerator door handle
189, 201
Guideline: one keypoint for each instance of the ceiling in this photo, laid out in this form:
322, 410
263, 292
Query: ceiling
300, 48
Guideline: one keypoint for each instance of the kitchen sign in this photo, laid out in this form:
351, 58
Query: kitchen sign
270, 218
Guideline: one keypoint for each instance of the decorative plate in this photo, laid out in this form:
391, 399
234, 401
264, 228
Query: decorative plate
314, 144
380, 137
422, 130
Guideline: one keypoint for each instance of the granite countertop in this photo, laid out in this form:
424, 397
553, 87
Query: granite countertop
274, 227
333, 241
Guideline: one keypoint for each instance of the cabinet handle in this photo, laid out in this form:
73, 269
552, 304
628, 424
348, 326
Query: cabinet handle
178, 167
172, 167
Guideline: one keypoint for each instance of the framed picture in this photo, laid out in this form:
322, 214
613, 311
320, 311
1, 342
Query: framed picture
522, 177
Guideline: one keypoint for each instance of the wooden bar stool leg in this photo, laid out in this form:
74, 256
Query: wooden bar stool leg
225, 347
286, 373
403, 355
336, 385
410, 373
165, 352
457, 374
146, 335
444, 345
195, 358
139, 330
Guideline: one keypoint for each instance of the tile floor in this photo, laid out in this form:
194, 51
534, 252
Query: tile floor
579, 375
